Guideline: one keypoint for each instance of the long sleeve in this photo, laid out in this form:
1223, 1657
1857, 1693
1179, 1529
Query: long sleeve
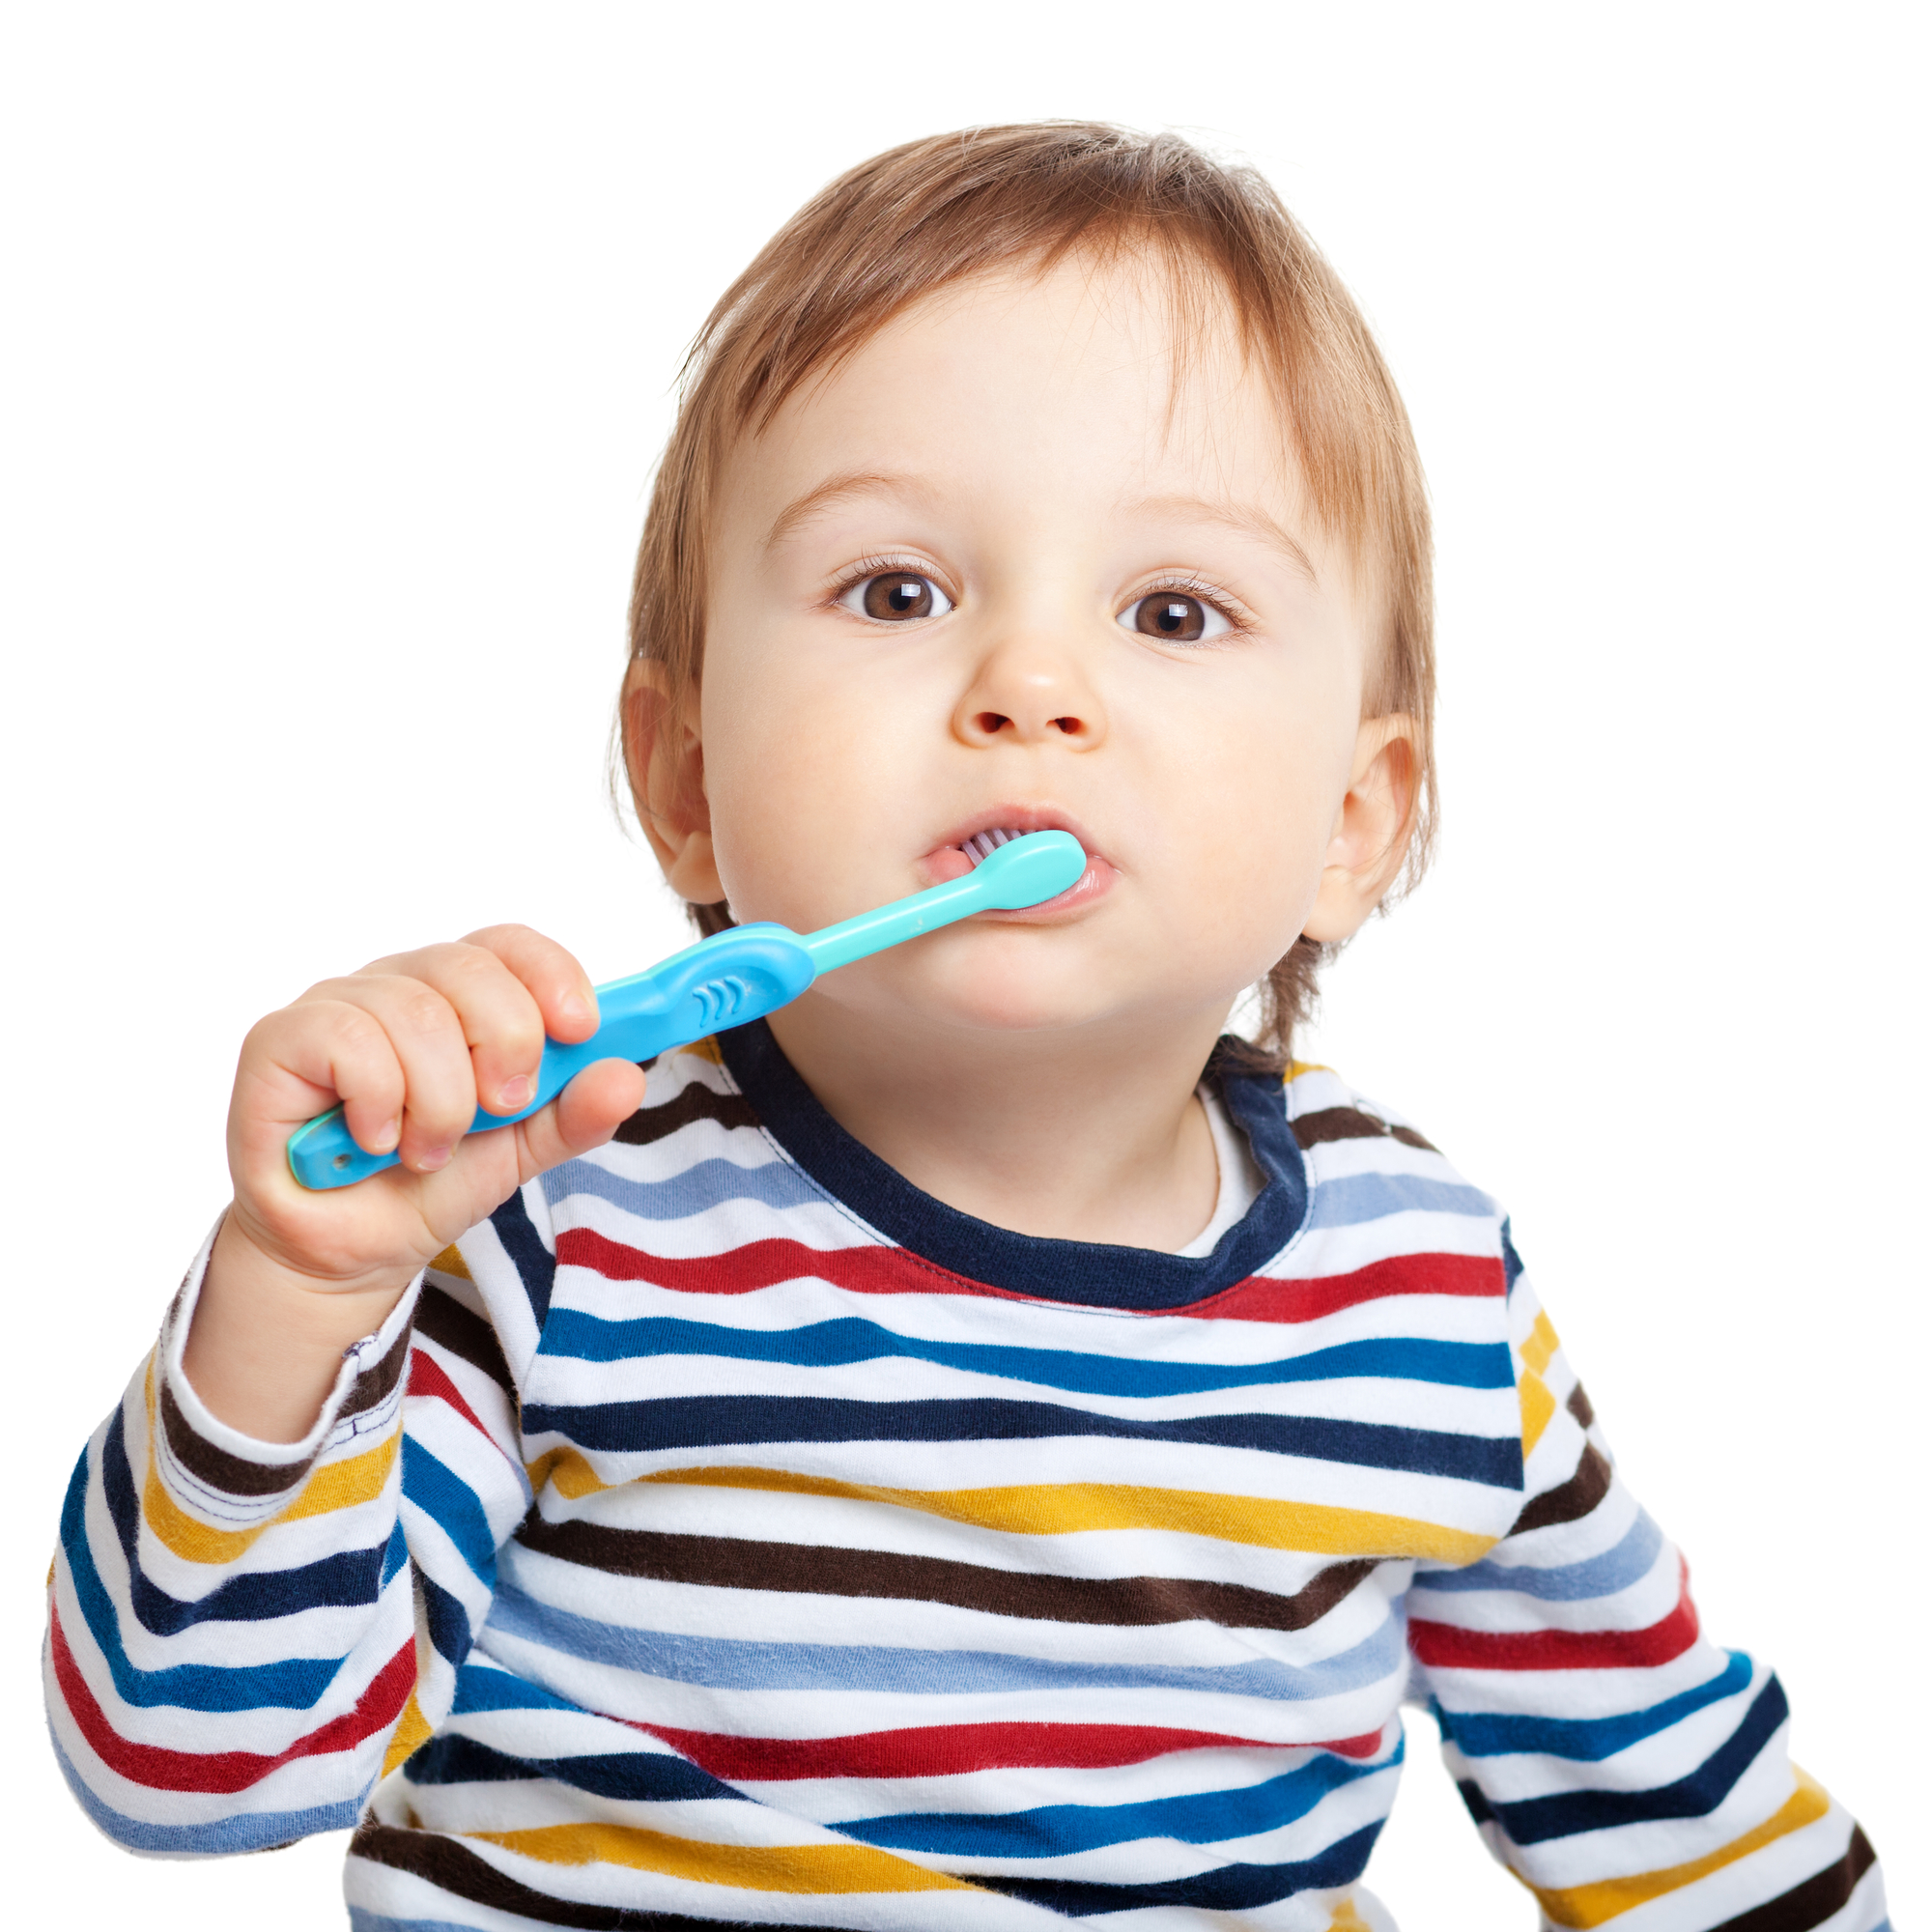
243, 1635
1621, 1765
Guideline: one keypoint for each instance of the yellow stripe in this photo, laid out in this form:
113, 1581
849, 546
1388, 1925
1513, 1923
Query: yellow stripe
1585, 1905
1541, 1345
705, 1049
1059, 1509
335, 1485
1297, 1067
412, 1731
449, 1262
1538, 1407
1347, 1919
819, 1868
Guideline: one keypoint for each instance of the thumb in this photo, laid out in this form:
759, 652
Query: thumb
584, 1116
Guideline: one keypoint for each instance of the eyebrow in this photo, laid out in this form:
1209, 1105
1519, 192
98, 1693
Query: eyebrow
1240, 517
836, 490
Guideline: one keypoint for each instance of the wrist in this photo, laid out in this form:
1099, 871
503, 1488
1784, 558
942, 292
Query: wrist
267, 1340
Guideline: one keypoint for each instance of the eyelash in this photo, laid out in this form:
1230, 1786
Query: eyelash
1185, 584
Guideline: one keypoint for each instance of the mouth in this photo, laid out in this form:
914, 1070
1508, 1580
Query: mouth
976, 839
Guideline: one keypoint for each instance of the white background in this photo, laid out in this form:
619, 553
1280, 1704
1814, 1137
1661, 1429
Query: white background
336, 349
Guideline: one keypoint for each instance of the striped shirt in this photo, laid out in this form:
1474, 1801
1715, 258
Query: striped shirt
728, 1532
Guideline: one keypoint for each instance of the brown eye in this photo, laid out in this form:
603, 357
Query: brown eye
1175, 617
897, 597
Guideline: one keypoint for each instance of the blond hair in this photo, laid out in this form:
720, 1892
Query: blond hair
920, 217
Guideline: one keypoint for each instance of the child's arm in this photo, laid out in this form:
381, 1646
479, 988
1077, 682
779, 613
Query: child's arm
1612, 1756
261, 1594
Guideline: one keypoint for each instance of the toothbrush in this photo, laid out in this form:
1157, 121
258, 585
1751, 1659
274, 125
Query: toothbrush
733, 977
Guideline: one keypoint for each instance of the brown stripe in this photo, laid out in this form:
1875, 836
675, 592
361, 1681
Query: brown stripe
1577, 1497
732, 1563
207, 1463
697, 1102
450, 1325
1409, 1137
1814, 1901
370, 1388
1336, 1123
460, 1872
1578, 1405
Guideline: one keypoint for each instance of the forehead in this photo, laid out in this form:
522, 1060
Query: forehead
1129, 371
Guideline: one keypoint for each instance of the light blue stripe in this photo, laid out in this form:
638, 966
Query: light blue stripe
730, 1663
250, 1831
1354, 1198
360, 1920
1603, 1576
573, 1335
1060, 1831
778, 1185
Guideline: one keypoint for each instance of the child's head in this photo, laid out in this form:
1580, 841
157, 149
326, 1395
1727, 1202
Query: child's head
1041, 475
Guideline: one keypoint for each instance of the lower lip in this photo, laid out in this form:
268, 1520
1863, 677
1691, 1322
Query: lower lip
1092, 885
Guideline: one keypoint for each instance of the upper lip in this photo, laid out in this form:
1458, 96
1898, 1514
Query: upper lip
1018, 818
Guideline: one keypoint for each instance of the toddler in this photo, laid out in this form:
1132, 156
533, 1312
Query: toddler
983, 1447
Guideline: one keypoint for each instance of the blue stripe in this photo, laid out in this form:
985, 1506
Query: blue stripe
250, 1831
482, 1686
350, 1576
733, 1664
1354, 1198
1059, 1830
438, 1491
639, 1776
1532, 1821
839, 1343
742, 1421
1603, 1575
1228, 1889
777, 1185
1589, 1740
295, 1684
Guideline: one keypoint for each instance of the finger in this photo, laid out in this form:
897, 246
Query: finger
499, 1017
584, 1116
558, 985
298, 1062
428, 1040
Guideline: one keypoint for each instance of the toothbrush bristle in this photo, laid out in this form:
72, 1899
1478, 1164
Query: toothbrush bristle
983, 844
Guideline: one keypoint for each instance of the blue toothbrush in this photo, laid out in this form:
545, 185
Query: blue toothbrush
726, 979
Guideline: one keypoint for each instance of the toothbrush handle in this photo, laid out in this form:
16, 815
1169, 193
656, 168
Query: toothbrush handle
721, 981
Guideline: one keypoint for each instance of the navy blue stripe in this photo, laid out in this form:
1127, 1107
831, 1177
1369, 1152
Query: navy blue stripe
350, 1576
741, 1421
641, 1776
1512, 1261
1230, 1888
535, 1265
447, 1619
1533, 1820
1588, 1740
573, 1334
1090, 1273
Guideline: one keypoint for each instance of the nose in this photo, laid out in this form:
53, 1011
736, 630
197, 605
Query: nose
1030, 689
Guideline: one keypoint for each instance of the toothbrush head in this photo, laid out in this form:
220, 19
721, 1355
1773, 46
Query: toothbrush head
1013, 873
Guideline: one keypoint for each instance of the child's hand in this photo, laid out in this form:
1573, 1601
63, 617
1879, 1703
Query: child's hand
410, 1046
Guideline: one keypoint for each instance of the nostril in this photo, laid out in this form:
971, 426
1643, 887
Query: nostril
991, 723
1072, 727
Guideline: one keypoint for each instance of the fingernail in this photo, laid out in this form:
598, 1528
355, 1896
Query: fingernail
389, 1134
578, 1006
432, 1158
515, 1092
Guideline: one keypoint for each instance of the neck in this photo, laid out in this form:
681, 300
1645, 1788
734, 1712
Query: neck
1089, 1135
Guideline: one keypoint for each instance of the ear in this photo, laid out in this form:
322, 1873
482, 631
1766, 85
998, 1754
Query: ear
665, 762
1371, 828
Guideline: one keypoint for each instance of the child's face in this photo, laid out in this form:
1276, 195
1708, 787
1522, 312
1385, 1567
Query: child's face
999, 572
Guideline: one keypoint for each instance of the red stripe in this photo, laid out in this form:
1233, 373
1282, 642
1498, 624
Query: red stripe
1560, 1650
1264, 1298
943, 1751
865, 1270
428, 1378
163, 1769
891, 1270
